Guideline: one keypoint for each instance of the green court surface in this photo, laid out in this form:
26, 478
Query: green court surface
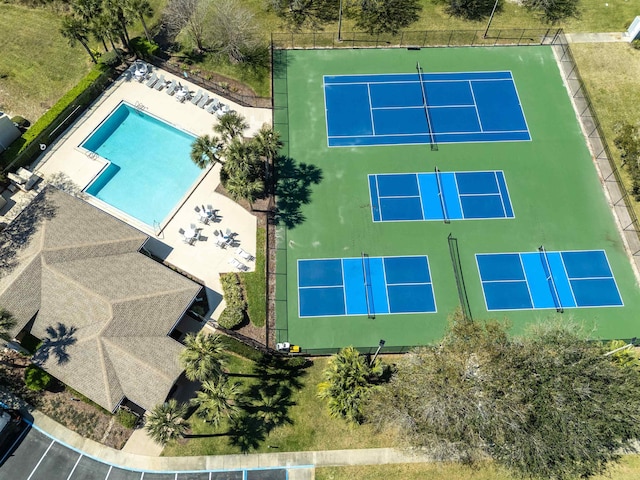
555, 191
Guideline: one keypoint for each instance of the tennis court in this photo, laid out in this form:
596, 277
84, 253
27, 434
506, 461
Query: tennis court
439, 196
420, 108
537, 280
365, 286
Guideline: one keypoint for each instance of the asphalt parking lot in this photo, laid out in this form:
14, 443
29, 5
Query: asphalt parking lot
36, 456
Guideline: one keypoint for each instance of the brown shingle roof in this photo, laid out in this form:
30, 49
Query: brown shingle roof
104, 309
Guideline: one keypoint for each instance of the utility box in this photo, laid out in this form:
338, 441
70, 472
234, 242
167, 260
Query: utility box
8, 132
633, 32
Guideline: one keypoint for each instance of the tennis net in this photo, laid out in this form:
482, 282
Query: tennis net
367, 284
443, 205
425, 104
551, 282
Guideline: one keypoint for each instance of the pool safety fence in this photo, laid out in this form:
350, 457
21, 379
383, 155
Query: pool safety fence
416, 39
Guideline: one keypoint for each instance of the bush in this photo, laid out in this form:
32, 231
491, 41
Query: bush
35, 378
112, 58
636, 44
143, 47
27, 146
239, 348
126, 418
21, 122
233, 293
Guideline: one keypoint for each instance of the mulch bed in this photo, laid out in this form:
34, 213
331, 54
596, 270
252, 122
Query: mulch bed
59, 404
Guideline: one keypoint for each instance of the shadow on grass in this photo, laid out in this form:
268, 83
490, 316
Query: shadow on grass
267, 402
293, 189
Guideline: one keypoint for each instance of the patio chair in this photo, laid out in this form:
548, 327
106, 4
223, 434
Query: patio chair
220, 243
246, 255
161, 83
196, 98
152, 80
239, 265
171, 89
203, 101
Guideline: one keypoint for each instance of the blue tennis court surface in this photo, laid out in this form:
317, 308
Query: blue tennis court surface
439, 196
364, 286
412, 108
536, 280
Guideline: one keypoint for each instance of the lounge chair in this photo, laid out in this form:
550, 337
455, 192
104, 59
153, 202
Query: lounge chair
239, 265
246, 255
203, 101
152, 80
196, 98
161, 83
212, 107
220, 243
172, 87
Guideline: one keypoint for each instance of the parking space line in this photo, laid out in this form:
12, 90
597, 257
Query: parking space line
109, 472
74, 467
41, 458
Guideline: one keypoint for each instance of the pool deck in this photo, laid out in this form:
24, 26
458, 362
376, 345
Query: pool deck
203, 260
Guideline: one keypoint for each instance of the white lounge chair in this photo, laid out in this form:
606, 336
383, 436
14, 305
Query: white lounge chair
161, 83
220, 242
171, 89
203, 101
196, 98
152, 80
239, 265
246, 255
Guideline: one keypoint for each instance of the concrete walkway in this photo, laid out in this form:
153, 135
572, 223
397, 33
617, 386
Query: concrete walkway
596, 37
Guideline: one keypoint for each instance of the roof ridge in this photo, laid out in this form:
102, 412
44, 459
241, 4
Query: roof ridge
151, 295
103, 366
92, 244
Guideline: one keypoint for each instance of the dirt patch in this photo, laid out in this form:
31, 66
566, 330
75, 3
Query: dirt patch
61, 405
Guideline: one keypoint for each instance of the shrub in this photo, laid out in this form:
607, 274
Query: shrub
143, 47
27, 146
239, 348
21, 122
112, 58
35, 378
126, 418
636, 44
233, 292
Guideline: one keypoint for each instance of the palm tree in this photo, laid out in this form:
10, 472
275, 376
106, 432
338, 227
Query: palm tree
217, 399
346, 384
74, 30
243, 187
268, 142
202, 357
205, 151
102, 29
115, 8
230, 126
242, 159
166, 422
140, 9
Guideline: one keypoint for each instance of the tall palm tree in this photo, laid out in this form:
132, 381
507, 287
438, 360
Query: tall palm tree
202, 357
346, 384
268, 142
243, 187
241, 158
230, 126
75, 30
166, 422
140, 9
115, 8
217, 399
206, 150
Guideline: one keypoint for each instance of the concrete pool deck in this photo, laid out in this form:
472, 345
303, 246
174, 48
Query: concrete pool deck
203, 260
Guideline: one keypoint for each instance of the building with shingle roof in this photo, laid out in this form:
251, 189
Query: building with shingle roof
76, 278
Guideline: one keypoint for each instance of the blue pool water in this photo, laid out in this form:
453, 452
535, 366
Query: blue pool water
150, 169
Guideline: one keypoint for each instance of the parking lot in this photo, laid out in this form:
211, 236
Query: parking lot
36, 456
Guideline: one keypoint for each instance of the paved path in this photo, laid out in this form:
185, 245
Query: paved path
595, 37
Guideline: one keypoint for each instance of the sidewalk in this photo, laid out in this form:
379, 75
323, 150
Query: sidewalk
595, 37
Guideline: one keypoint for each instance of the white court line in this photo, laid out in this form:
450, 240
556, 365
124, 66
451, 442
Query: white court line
386, 286
344, 290
438, 133
419, 195
566, 272
455, 178
41, 458
415, 107
475, 105
310, 287
401, 196
378, 190
479, 194
390, 82
74, 467
504, 207
373, 125
109, 472
524, 271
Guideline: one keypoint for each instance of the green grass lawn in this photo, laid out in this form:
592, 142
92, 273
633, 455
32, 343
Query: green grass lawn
556, 195
628, 469
255, 283
37, 66
305, 424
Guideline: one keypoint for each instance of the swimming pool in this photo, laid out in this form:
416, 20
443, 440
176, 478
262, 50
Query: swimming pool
150, 169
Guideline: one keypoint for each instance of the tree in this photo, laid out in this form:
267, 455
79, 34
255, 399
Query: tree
206, 150
242, 159
230, 125
471, 9
628, 143
387, 16
74, 30
217, 399
232, 30
7, 322
243, 187
140, 9
311, 14
548, 405
202, 357
553, 11
188, 16
166, 422
268, 142
347, 383
116, 9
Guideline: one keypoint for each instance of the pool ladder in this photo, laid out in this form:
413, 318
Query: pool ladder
141, 107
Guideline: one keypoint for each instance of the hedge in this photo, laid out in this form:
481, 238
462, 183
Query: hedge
35, 378
234, 314
242, 349
25, 149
